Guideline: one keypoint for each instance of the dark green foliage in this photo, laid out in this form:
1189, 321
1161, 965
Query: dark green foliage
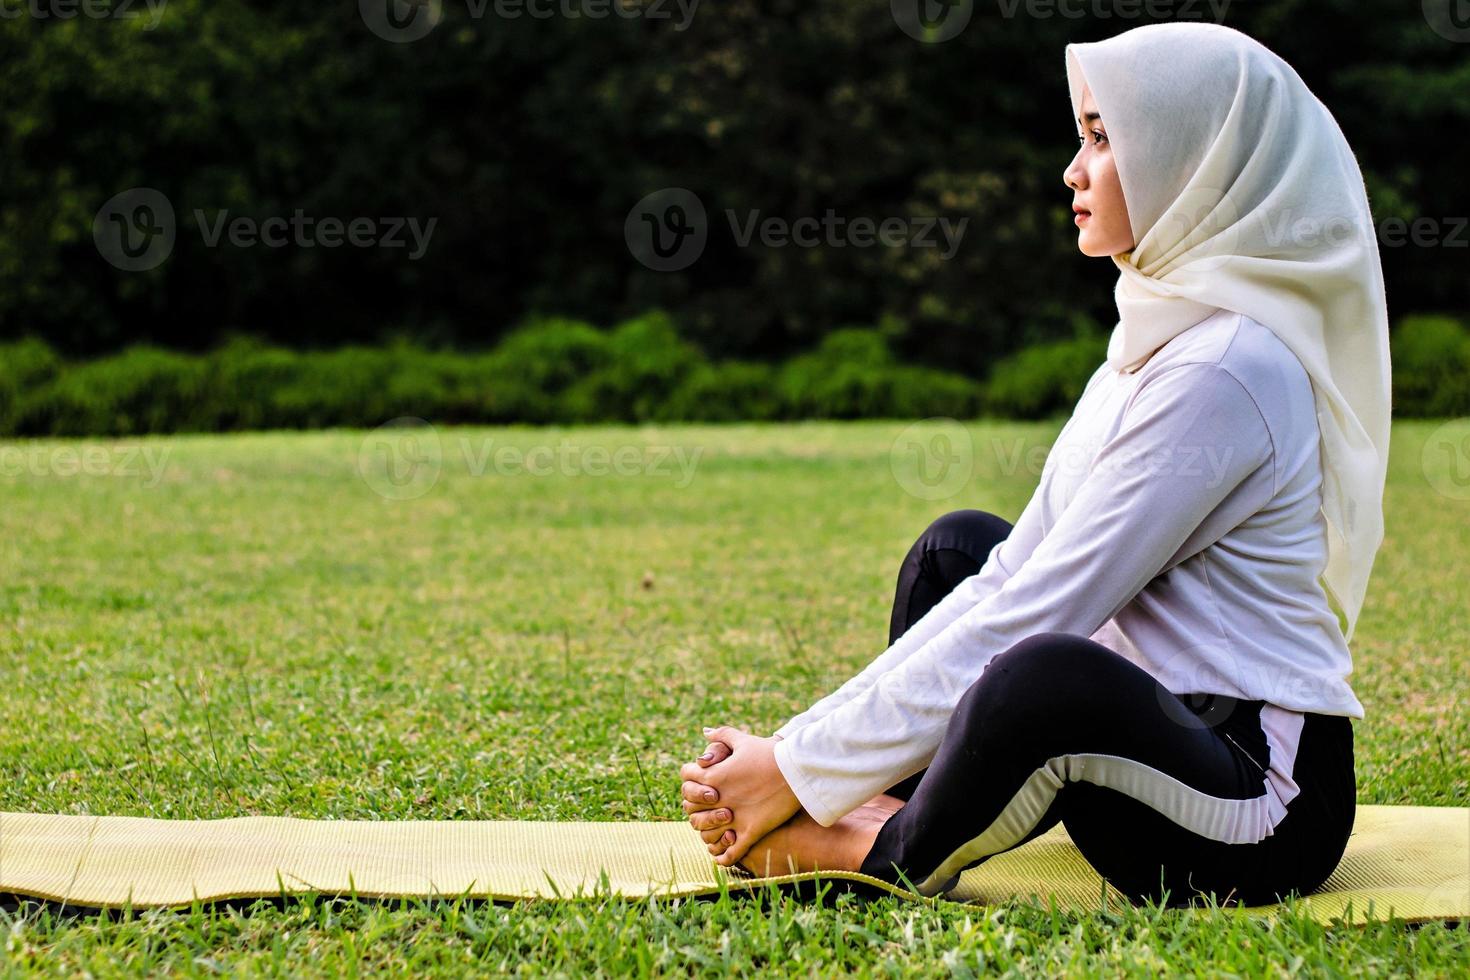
141, 390
548, 371
852, 375
731, 391
529, 139
1431, 367
1044, 380
558, 370
646, 359
24, 366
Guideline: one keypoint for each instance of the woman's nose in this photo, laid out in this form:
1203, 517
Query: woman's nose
1074, 175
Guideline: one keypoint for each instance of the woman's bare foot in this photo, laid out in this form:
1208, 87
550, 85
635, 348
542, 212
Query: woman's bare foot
801, 844
889, 804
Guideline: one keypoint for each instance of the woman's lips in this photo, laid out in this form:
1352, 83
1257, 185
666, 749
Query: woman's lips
1082, 216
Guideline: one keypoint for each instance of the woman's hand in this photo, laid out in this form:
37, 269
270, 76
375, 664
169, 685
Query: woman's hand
712, 821
712, 824
748, 789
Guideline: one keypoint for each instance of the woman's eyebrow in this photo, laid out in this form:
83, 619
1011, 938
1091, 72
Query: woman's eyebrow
1090, 117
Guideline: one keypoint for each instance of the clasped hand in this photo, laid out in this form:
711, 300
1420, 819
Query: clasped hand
735, 793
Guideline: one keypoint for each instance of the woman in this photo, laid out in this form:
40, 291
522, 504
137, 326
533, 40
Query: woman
1147, 656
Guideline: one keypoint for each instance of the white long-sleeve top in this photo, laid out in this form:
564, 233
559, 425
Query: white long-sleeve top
1177, 521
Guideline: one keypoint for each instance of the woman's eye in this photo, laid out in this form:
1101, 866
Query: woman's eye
1102, 137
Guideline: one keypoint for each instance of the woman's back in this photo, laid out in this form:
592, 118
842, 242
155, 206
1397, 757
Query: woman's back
1239, 610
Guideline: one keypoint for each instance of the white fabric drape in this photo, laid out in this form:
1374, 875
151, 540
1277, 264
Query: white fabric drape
1244, 195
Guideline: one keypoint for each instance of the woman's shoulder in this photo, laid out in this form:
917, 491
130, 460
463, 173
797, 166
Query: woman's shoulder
1251, 353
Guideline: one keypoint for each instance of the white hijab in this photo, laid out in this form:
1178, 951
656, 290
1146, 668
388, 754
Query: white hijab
1243, 195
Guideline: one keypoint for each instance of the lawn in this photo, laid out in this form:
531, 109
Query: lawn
529, 627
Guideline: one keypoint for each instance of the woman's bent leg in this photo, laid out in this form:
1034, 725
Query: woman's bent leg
951, 549
1060, 727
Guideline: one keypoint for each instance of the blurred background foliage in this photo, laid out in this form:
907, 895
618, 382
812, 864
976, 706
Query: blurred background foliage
528, 140
566, 371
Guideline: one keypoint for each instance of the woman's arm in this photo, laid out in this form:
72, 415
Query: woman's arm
1004, 559
1193, 458
999, 566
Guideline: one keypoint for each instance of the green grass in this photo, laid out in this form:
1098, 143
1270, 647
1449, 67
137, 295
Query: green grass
251, 629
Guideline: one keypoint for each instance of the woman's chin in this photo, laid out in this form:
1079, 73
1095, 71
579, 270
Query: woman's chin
1089, 247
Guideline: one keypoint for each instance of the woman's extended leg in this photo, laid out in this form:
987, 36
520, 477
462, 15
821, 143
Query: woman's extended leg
951, 549
1156, 797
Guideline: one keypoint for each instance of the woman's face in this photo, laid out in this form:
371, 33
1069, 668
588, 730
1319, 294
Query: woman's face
1093, 177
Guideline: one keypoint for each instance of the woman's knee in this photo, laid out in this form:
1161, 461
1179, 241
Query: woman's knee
970, 530
1042, 675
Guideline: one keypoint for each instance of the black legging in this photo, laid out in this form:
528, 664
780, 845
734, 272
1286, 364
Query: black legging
1057, 715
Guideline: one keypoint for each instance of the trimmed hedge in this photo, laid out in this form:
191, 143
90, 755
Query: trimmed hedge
1046, 379
1431, 367
548, 371
566, 371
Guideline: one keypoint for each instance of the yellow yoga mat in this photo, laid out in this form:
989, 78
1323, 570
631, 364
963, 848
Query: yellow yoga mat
1411, 861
